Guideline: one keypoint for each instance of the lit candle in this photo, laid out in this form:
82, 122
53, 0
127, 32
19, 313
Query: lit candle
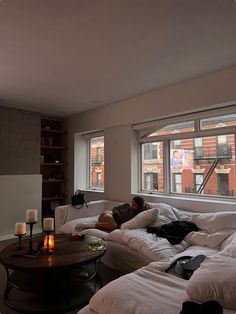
31, 215
48, 224
20, 228
49, 243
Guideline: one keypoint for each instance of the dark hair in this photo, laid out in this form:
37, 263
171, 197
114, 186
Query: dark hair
139, 201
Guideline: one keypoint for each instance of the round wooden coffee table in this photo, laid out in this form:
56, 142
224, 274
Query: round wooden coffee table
52, 283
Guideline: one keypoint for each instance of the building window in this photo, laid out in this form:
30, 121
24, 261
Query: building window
223, 149
151, 181
152, 166
99, 180
198, 147
199, 161
198, 183
223, 184
150, 151
177, 183
96, 162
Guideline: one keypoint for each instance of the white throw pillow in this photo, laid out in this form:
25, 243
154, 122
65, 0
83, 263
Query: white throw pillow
77, 224
213, 222
142, 220
167, 214
214, 280
230, 248
95, 233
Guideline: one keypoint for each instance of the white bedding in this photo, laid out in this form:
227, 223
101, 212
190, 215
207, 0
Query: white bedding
123, 258
146, 290
149, 245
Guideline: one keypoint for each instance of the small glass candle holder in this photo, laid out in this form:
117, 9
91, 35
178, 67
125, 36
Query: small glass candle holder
49, 242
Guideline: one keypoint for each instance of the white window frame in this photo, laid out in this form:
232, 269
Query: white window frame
88, 137
166, 139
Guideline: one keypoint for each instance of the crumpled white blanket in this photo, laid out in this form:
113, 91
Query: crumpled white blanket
151, 246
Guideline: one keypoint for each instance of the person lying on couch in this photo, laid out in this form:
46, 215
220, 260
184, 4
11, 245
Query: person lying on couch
110, 220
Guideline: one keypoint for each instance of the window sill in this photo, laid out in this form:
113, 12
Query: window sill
93, 190
191, 203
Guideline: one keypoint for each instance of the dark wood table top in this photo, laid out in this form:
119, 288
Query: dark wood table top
67, 253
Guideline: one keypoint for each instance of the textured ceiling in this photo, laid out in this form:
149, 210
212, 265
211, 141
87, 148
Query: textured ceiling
65, 56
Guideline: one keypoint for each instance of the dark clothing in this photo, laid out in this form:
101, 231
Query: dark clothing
209, 307
124, 212
174, 231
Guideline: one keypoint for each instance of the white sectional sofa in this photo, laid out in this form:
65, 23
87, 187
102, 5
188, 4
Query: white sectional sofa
147, 288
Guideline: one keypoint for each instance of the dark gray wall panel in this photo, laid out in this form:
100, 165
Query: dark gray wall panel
19, 141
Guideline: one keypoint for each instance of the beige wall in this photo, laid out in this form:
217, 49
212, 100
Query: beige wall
117, 119
20, 181
18, 193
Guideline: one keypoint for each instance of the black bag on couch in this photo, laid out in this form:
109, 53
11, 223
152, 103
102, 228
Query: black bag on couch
77, 200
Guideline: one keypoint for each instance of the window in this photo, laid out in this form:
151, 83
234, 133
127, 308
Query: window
99, 180
152, 165
198, 183
151, 181
218, 122
150, 151
96, 164
197, 161
177, 182
174, 128
223, 149
198, 147
223, 184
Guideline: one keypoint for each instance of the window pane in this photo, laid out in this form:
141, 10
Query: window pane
204, 165
218, 122
96, 169
152, 166
175, 128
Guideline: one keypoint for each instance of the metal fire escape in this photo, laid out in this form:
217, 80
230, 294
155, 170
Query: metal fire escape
224, 153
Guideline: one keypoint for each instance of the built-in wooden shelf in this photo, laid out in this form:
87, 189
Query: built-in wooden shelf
51, 198
53, 147
53, 131
52, 164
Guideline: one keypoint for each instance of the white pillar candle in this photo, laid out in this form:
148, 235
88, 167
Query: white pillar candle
31, 215
20, 228
48, 224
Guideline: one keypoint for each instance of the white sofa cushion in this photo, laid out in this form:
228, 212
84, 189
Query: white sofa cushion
77, 225
214, 280
142, 220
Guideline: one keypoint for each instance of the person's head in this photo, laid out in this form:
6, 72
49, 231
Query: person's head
175, 154
137, 203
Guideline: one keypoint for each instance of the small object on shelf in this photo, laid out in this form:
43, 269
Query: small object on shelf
42, 159
31, 215
50, 141
57, 161
47, 127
